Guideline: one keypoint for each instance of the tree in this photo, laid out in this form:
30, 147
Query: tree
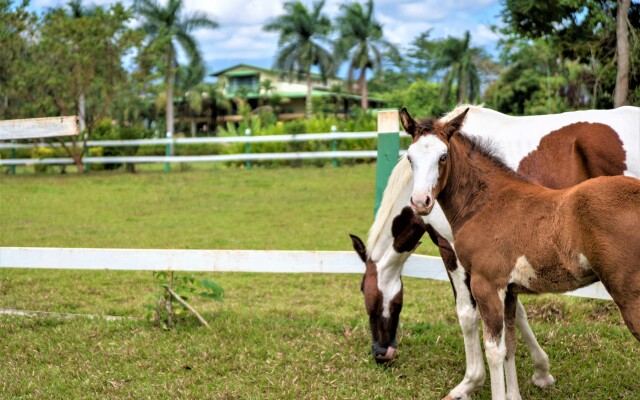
361, 43
302, 43
622, 54
266, 90
459, 62
584, 31
167, 28
78, 10
64, 57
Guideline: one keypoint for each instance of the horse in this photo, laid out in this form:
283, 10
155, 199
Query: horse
535, 138
512, 235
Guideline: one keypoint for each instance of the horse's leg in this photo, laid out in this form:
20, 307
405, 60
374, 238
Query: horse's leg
468, 319
490, 301
541, 376
510, 307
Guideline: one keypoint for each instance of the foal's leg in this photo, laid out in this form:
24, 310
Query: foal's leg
510, 307
491, 301
468, 319
541, 377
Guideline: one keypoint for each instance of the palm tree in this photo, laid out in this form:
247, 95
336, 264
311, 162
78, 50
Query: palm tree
266, 89
361, 43
460, 63
303, 36
169, 27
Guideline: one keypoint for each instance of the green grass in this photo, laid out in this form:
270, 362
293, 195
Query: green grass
275, 336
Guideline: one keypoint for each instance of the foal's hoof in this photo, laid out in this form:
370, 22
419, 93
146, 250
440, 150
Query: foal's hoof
543, 381
457, 397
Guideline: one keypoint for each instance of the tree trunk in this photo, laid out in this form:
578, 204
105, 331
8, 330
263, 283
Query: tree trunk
309, 100
82, 116
622, 52
170, 79
364, 101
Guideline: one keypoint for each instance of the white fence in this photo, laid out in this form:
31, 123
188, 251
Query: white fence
342, 262
247, 156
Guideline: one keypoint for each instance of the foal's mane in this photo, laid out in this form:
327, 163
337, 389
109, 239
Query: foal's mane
486, 149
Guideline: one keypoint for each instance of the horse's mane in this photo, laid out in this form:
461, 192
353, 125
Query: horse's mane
487, 149
401, 177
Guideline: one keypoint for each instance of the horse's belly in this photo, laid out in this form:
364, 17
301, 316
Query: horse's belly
551, 277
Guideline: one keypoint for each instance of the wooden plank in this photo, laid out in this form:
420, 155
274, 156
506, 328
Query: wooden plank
32, 128
343, 262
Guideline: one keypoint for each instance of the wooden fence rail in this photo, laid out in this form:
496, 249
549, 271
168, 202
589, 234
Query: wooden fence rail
340, 262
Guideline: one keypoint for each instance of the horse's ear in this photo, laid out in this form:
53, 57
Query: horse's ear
408, 123
455, 124
359, 247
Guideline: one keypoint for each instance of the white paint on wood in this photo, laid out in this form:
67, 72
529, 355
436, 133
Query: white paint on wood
212, 158
388, 121
341, 262
301, 137
39, 127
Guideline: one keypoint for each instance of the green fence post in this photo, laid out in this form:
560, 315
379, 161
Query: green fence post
334, 145
87, 166
13, 155
247, 148
168, 151
388, 151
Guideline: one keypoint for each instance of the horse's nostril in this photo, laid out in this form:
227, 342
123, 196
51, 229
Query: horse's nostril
427, 202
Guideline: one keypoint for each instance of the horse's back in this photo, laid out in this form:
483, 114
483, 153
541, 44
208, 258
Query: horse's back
518, 136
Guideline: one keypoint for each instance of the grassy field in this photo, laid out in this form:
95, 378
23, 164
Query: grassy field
275, 336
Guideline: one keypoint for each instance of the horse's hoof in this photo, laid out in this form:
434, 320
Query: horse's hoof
457, 397
544, 381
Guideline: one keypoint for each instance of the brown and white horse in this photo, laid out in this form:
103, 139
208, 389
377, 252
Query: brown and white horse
581, 144
514, 236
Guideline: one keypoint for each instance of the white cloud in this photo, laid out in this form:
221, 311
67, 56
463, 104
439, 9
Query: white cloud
240, 37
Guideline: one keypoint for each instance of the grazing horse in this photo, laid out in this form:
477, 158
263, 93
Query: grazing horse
514, 236
581, 144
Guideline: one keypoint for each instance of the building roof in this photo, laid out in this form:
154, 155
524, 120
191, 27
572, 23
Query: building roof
246, 70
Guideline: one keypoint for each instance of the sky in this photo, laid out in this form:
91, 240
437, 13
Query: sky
240, 38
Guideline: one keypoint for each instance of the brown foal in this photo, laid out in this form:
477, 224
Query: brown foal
513, 236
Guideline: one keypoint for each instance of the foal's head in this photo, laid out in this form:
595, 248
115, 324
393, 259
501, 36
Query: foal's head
382, 285
428, 155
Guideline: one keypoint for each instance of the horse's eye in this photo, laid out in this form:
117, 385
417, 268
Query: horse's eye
443, 158
409, 159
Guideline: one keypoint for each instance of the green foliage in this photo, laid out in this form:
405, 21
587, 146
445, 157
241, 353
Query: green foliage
421, 98
557, 39
166, 310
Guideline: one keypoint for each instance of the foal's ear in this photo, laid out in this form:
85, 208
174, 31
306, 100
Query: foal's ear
359, 247
408, 123
455, 124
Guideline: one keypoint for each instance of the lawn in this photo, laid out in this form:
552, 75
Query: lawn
275, 336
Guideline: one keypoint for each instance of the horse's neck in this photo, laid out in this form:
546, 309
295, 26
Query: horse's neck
472, 182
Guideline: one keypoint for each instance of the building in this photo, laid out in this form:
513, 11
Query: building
286, 97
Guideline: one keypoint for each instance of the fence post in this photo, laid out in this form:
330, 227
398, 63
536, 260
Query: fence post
87, 166
247, 148
334, 145
168, 152
388, 151
13, 155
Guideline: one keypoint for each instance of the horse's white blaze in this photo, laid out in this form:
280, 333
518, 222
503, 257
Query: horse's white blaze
522, 272
425, 154
583, 262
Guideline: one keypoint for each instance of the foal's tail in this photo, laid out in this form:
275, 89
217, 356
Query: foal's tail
399, 180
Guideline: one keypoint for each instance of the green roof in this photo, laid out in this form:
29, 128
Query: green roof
242, 72
247, 69
315, 93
